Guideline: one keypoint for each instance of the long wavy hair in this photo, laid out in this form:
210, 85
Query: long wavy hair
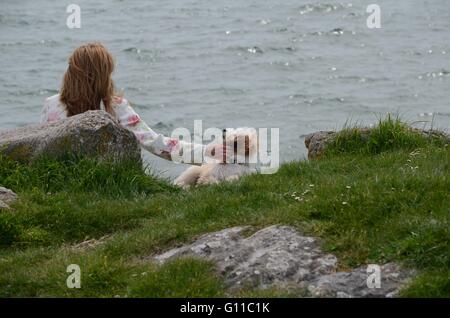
87, 81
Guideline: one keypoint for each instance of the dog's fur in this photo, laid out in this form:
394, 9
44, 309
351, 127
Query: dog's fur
245, 144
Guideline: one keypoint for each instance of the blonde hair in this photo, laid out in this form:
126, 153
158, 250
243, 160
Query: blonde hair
87, 81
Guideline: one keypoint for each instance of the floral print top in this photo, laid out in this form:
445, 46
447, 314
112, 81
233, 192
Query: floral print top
150, 140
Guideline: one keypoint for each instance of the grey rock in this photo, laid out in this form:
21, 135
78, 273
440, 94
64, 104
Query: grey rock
354, 283
6, 197
279, 256
90, 134
3, 205
316, 143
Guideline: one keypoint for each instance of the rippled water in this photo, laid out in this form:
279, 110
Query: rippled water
298, 65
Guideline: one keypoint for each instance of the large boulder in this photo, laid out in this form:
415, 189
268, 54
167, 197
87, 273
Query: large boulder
279, 256
91, 134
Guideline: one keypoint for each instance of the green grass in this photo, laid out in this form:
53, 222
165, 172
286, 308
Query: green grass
373, 200
390, 134
73, 199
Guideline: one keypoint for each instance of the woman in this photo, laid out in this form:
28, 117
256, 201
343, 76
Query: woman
87, 85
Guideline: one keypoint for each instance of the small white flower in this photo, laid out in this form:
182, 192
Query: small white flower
344, 202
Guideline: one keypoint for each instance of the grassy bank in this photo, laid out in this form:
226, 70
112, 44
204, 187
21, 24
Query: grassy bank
372, 199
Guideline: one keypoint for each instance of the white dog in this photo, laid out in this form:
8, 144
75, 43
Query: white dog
241, 162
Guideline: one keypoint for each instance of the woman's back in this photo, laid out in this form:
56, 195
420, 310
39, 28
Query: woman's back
87, 85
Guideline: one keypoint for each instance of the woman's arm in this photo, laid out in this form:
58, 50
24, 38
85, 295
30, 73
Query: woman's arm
157, 144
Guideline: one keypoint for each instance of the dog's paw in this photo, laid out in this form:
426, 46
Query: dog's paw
181, 184
203, 180
232, 177
185, 186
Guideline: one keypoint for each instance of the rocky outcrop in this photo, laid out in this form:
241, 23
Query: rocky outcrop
6, 198
317, 142
279, 256
90, 134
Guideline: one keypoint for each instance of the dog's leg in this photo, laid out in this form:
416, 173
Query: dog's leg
188, 178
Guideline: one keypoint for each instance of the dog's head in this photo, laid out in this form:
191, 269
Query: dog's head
244, 142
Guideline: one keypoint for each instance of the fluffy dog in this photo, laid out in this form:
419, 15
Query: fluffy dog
241, 162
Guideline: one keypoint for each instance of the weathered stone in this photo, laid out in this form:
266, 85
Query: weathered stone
7, 195
6, 198
316, 143
90, 134
279, 256
354, 283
